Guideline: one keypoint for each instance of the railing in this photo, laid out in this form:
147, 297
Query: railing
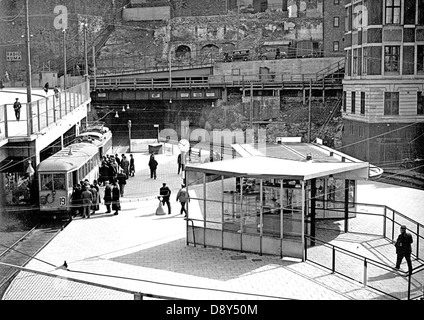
42, 113
333, 70
383, 222
302, 80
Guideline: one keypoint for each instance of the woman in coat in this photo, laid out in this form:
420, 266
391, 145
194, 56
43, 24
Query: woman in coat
107, 197
116, 206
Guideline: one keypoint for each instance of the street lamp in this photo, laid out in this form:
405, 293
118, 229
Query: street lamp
129, 134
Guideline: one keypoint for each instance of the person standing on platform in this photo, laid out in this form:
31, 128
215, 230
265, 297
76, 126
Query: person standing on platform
17, 107
125, 165
116, 205
96, 198
122, 181
132, 166
113, 169
76, 199
403, 248
180, 164
87, 199
165, 193
118, 161
107, 197
183, 197
153, 164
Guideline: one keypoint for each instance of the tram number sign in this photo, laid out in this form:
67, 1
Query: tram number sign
62, 201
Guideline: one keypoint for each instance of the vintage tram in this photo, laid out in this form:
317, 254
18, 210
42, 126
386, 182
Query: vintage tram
58, 174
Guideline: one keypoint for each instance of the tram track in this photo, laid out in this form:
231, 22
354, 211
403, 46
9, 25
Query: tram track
23, 250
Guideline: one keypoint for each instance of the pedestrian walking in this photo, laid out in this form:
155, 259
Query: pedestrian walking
132, 166
17, 107
153, 164
122, 181
46, 87
56, 92
183, 197
87, 199
125, 165
107, 197
165, 193
116, 205
180, 164
403, 248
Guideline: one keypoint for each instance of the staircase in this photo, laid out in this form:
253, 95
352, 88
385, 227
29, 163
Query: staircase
98, 43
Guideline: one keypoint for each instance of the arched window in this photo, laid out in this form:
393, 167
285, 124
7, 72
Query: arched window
183, 52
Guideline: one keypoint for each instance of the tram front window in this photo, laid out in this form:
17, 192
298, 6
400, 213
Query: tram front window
53, 182
59, 181
46, 182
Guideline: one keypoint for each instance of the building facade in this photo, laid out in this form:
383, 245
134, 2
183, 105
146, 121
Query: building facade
383, 87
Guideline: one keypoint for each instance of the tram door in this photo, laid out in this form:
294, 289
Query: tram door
74, 178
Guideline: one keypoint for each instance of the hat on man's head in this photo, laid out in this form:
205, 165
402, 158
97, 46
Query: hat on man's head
403, 227
164, 184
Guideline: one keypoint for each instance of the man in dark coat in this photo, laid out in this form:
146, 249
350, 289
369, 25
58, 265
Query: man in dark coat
17, 107
403, 248
87, 200
125, 165
122, 181
153, 164
165, 193
116, 205
76, 200
132, 166
107, 197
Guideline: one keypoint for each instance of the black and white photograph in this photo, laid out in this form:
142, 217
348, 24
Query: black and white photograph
219, 157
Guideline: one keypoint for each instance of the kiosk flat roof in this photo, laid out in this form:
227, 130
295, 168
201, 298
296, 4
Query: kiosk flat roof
274, 168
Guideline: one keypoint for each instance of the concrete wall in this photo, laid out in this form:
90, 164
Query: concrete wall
146, 14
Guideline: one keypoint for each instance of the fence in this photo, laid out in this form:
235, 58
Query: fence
383, 223
41, 113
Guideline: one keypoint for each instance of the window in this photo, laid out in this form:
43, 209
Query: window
348, 21
420, 12
344, 101
46, 182
355, 62
420, 103
284, 5
365, 59
353, 98
392, 11
336, 22
362, 102
391, 58
361, 131
420, 58
335, 46
391, 103
336, 2
59, 181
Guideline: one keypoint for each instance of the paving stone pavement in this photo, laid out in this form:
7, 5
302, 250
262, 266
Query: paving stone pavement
139, 251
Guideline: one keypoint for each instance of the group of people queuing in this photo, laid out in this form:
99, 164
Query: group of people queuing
113, 169
86, 198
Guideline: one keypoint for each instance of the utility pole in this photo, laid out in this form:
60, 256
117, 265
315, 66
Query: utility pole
85, 51
28, 54
238, 24
64, 59
309, 111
